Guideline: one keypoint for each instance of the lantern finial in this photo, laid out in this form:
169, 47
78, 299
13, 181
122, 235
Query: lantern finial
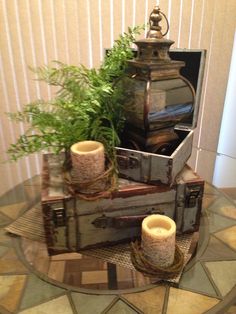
154, 20
155, 48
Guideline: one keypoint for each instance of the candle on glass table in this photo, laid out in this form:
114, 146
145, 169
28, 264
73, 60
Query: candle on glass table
158, 239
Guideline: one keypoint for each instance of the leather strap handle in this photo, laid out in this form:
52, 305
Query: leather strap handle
121, 222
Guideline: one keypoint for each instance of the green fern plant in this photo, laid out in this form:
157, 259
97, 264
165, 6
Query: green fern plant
87, 105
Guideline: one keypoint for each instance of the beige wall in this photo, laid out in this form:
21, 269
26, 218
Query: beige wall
34, 32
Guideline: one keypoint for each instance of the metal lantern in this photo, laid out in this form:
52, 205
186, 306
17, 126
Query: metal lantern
157, 96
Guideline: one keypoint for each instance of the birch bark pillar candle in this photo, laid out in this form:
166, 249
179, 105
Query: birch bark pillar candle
158, 240
88, 162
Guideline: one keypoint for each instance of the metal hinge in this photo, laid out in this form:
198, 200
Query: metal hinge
192, 195
127, 162
59, 216
183, 127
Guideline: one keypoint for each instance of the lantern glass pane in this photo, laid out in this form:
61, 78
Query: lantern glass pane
162, 103
171, 101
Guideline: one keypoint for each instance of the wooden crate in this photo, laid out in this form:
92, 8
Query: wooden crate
72, 223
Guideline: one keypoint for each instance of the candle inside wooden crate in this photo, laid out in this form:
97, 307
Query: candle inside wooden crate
88, 161
158, 240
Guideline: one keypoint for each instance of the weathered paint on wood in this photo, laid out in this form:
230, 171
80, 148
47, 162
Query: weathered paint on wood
91, 235
72, 223
154, 168
181, 155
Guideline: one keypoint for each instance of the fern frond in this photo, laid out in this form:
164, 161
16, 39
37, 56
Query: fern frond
87, 105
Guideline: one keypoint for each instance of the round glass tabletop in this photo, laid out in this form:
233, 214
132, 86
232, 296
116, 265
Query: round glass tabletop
91, 270
78, 279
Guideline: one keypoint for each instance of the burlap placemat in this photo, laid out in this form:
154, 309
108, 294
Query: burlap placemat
30, 225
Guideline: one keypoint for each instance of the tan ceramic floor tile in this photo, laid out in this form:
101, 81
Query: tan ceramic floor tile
231, 310
94, 304
29, 249
209, 189
186, 302
208, 200
36, 253
13, 210
56, 270
121, 307
140, 280
66, 256
32, 191
37, 245
228, 236
35, 180
9, 263
91, 277
150, 301
11, 290
229, 211
124, 274
223, 274
59, 305
4, 237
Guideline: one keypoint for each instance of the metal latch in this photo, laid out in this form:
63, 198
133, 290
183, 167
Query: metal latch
192, 194
59, 216
127, 162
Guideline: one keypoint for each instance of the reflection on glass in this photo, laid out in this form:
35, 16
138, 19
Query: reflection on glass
163, 103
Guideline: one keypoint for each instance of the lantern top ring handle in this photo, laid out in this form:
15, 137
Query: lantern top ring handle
167, 23
154, 20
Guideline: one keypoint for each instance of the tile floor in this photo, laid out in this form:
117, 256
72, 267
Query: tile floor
230, 192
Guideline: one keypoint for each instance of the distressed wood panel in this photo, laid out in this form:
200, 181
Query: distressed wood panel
90, 235
102, 220
128, 203
192, 159
155, 167
181, 155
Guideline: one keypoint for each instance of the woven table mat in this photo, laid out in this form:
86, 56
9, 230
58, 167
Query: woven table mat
30, 225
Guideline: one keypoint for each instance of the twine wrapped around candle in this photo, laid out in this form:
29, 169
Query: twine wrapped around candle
158, 240
146, 267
